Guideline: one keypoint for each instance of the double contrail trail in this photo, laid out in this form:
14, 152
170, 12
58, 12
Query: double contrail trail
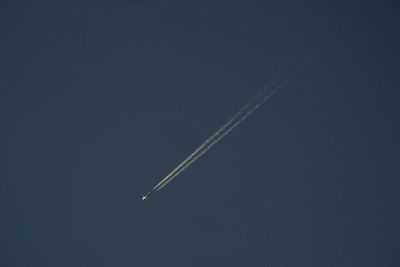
243, 113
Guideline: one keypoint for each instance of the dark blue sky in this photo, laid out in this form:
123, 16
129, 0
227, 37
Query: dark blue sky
101, 99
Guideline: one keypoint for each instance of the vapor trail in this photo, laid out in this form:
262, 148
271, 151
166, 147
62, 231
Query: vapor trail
204, 144
193, 155
215, 138
222, 135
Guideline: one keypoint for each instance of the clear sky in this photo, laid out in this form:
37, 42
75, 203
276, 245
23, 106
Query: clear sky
101, 99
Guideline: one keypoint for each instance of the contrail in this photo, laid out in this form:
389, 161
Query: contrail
183, 165
242, 110
222, 135
202, 146
215, 138
165, 181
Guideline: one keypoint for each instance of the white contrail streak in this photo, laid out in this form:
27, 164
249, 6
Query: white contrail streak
205, 144
215, 138
165, 181
222, 135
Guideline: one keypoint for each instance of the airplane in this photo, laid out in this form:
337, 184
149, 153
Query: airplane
144, 197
